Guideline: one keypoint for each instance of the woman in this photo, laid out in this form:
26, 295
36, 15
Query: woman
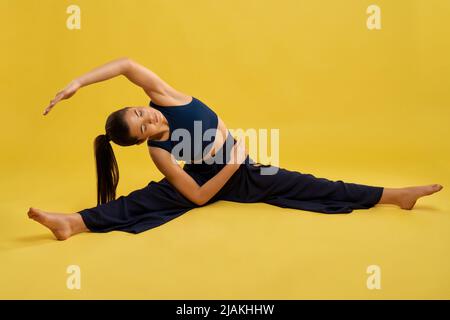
219, 170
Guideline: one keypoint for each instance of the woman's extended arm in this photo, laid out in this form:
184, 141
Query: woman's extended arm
187, 186
153, 85
133, 71
104, 72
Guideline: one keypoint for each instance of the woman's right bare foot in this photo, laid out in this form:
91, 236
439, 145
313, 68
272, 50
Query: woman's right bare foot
409, 195
62, 225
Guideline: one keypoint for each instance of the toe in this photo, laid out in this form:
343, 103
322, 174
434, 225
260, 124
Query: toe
31, 213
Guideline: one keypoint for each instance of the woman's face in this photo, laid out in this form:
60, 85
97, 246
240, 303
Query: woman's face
144, 122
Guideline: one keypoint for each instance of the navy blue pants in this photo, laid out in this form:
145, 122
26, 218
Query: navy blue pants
159, 202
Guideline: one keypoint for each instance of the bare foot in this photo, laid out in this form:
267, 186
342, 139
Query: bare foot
409, 195
59, 224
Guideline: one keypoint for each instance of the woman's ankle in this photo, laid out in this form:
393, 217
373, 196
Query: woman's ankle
391, 196
77, 224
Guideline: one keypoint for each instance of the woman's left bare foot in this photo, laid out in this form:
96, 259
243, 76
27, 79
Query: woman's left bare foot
62, 225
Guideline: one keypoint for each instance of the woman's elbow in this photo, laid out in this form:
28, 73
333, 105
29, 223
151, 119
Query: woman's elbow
126, 63
199, 200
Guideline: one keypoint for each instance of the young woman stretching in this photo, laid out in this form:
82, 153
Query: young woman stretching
218, 169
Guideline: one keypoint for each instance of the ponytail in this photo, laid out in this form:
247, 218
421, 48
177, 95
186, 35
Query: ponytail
107, 169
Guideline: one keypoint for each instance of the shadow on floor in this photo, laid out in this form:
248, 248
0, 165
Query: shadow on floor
29, 241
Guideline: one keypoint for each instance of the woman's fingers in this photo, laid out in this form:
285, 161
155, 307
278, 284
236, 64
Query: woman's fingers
54, 101
50, 106
59, 96
66, 93
47, 110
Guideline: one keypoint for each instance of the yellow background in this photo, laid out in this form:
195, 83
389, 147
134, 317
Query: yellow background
363, 106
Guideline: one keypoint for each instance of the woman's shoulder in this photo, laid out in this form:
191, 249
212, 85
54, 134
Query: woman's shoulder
170, 98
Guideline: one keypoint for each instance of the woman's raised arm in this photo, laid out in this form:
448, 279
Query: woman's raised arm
104, 72
153, 85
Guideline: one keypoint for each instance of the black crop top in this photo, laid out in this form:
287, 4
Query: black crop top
192, 128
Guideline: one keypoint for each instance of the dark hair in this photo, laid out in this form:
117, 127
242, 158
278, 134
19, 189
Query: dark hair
118, 131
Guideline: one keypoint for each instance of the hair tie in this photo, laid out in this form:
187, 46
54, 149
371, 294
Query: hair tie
107, 137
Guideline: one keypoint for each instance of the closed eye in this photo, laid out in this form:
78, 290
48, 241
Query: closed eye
139, 114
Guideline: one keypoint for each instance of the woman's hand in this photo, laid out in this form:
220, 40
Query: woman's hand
238, 152
66, 93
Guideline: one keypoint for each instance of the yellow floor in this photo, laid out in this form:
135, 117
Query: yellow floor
362, 106
229, 250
